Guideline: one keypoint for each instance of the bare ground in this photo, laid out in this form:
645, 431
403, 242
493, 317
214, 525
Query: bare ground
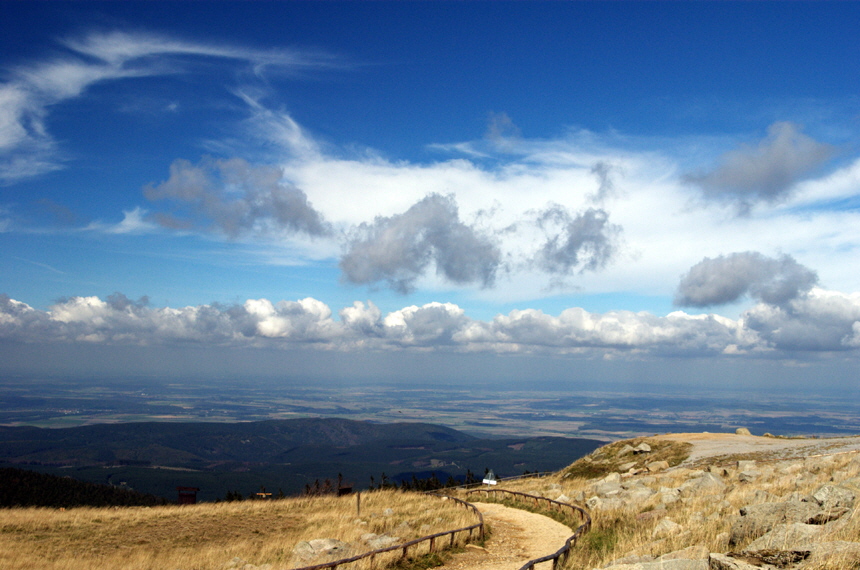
729, 446
517, 537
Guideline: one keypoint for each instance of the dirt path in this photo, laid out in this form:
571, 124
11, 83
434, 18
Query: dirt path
517, 537
710, 445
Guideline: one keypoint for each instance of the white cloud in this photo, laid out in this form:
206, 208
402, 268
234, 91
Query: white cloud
822, 321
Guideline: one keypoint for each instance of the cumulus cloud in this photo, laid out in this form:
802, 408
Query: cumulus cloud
727, 278
818, 321
398, 249
235, 198
585, 242
766, 172
26, 145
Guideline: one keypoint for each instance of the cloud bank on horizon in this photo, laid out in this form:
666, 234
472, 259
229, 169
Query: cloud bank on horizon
762, 226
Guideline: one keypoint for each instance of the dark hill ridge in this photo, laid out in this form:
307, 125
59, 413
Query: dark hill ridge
179, 444
156, 457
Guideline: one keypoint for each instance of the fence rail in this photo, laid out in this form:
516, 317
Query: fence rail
558, 558
479, 527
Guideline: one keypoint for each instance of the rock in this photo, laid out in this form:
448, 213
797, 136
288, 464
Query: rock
745, 464
627, 466
828, 515
599, 504
631, 559
774, 558
695, 552
847, 553
388, 512
637, 495
706, 484
666, 527
786, 535
611, 478
831, 496
236, 562
723, 562
742, 431
756, 520
329, 547
382, 541
642, 448
563, 498
608, 488
748, 476
625, 450
656, 466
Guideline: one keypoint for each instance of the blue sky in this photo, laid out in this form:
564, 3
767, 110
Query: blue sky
574, 180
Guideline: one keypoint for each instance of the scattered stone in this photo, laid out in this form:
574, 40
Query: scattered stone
642, 448
784, 535
778, 558
725, 562
382, 541
748, 476
656, 466
756, 520
627, 466
742, 431
746, 464
848, 553
666, 527
695, 552
831, 496
328, 547
626, 449
705, 484
563, 498
388, 512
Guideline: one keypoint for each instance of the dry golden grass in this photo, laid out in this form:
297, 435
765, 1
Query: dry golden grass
208, 536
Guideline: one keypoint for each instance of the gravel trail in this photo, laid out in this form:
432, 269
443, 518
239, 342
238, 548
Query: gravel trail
518, 536
715, 445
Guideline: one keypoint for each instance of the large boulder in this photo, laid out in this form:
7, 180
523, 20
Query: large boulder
847, 553
328, 548
786, 536
755, 520
832, 497
706, 484
724, 562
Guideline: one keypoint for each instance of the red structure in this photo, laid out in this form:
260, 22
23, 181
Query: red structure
187, 495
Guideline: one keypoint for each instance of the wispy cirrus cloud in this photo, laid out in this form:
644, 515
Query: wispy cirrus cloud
27, 147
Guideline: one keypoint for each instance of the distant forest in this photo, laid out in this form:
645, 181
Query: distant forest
22, 488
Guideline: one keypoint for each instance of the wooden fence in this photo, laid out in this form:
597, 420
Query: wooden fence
432, 539
562, 553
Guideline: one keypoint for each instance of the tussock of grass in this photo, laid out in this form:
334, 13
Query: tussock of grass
206, 536
608, 459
